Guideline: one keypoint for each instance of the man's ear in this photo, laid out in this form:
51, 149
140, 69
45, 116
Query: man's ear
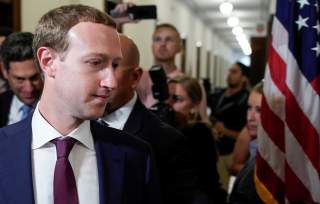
46, 58
4, 71
136, 75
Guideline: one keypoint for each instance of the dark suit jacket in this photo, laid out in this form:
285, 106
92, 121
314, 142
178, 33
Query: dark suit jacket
177, 176
5, 104
125, 166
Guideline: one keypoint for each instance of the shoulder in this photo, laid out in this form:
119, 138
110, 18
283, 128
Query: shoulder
154, 126
16, 134
112, 136
6, 96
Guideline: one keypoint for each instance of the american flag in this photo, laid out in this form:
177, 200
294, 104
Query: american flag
288, 158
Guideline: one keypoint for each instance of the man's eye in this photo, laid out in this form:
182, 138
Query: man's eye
115, 65
95, 62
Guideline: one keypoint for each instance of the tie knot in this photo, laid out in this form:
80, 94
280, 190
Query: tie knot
64, 146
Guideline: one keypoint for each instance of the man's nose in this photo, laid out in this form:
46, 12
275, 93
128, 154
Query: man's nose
109, 80
28, 86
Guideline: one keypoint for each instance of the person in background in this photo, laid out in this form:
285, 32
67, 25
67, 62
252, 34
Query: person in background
244, 190
23, 77
4, 32
60, 154
126, 112
246, 144
166, 44
228, 115
186, 96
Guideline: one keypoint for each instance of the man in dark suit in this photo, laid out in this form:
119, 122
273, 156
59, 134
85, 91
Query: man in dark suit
57, 155
24, 79
179, 183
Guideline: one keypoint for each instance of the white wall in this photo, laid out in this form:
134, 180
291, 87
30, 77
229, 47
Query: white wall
32, 10
172, 11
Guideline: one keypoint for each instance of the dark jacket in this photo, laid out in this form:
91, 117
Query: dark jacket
125, 166
204, 155
178, 178
5, 104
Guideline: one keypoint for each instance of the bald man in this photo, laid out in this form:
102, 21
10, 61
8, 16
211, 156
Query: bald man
126, 112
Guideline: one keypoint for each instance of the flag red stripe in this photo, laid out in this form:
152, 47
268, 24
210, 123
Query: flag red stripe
296, 192
316, 85
298, 123
302, 130
277, 69
271, 181
273, 125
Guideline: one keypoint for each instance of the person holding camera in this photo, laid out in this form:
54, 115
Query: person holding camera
166, 44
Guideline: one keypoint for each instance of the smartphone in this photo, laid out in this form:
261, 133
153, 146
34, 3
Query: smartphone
142, 12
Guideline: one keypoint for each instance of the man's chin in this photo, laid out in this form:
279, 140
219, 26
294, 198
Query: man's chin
29, 102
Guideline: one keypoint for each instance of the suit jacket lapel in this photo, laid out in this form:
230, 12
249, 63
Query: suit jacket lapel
134, 122
16, 165
110, 162
5, 104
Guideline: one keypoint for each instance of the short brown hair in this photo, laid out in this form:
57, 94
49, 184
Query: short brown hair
167, 25
54, 26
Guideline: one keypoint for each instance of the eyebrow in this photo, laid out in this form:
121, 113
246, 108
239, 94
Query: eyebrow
103, 56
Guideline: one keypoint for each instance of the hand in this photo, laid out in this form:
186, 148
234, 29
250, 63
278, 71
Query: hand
119, 13
219, 127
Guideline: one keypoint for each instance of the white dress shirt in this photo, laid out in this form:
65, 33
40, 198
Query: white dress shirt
82, 159
118, 118
15, 113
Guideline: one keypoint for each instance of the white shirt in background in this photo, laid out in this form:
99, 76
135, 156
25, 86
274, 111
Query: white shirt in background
119, 117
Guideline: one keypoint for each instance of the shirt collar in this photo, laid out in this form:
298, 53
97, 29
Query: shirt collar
17, 103
119, 117
43, 132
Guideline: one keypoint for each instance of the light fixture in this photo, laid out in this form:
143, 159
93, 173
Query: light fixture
241, 37
245, 46
226, 7
233, 21
237, 30
198, 43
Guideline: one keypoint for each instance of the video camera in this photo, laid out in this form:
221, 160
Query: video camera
160, 92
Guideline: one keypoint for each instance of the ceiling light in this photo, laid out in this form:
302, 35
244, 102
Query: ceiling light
199, 44
241, 37
233, 21
226, 8
237, 30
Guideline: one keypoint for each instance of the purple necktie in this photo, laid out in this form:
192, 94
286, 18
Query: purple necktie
64, 183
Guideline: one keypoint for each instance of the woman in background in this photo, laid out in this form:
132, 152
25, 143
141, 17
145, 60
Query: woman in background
244, 191
246, 144
186, 95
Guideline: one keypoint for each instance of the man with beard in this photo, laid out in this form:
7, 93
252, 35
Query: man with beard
228, 112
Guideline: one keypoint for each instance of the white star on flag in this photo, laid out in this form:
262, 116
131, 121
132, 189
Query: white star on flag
302, 3
302, 22
317, 27
317, 49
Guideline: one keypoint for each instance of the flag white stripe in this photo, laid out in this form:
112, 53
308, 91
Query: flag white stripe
270, 152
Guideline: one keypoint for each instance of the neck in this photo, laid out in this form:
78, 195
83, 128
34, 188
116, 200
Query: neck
113, 106
168, 66
232, 90
58, 118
